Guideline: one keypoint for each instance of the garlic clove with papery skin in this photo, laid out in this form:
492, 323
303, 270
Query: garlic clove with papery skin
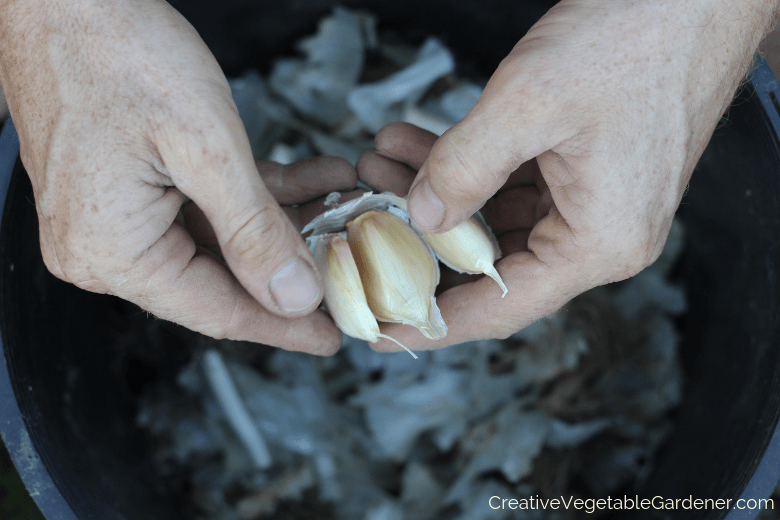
398, 271
398, 265
344, 297
469, 247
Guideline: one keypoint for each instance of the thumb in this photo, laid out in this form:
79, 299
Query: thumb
259, 243
472, 160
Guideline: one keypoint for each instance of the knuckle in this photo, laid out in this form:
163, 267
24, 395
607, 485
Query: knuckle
50, 254
52, 264
83, 272
225, 324
91, 285
503, 331
217, 330
78, 273
71, 261
462, 180
258, 237
638, 256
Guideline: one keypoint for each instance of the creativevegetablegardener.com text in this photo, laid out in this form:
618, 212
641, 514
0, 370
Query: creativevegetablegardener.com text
592, 505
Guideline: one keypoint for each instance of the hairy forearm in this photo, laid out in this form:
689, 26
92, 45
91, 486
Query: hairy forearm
737, 28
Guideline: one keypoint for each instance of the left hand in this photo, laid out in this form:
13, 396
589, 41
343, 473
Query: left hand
123, 114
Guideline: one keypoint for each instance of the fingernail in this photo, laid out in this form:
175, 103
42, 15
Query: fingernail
294, 287
425, 208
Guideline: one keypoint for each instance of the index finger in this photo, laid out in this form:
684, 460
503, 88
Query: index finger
306, 179
406, 143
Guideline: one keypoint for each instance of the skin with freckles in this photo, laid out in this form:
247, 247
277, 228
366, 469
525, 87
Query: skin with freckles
578, 152
144, 182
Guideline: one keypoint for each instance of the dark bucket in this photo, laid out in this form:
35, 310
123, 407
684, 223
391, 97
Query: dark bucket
67, 400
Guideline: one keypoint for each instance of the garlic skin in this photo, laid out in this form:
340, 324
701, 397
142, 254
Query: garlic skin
398, 271
335, 220
344, 296
469, 247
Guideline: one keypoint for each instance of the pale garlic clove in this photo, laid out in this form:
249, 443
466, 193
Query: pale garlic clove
398, 271
344, 297
469, 247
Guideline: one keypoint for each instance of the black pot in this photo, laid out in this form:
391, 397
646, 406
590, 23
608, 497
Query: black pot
66, 397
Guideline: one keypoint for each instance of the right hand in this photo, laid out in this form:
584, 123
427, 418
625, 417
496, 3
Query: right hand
123, 114
580, 148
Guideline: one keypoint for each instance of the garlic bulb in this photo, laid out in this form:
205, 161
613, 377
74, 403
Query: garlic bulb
345, 298
386, 269
470, 248
398, 272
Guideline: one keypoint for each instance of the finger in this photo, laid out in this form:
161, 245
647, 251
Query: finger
405, 143
385, 174
259, 243
451, 278
474, 158
512, 209
179, 282
307, 179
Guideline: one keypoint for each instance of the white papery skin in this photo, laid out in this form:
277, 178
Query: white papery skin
398, 272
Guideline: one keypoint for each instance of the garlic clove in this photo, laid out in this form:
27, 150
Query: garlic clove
344, 294
469, 247
398, 271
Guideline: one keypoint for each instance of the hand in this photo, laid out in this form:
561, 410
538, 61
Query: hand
123, 114
585, 138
